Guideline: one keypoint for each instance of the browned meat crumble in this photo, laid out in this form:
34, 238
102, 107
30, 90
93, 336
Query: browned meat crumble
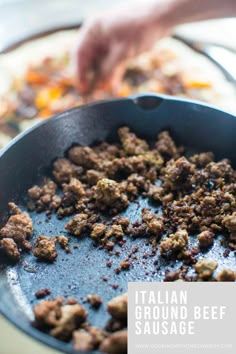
42, 293
15, 234
59, 319
94, 300
45, 248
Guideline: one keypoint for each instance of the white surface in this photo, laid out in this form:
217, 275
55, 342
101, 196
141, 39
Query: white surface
12, 341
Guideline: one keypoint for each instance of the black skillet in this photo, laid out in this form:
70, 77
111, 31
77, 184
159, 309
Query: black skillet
28, 157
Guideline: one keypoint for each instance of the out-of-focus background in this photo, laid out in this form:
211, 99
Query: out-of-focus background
18, 18
22, 18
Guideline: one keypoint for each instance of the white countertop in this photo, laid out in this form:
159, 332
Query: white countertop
13, 341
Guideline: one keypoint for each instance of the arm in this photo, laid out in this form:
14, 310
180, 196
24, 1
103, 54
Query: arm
105, 43
184, 11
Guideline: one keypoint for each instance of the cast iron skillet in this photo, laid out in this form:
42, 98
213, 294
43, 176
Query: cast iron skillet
28, 157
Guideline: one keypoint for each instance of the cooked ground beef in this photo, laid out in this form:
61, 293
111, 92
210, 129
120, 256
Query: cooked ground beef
117, 307
44, 198
9, 247
42, 293
205, 239
15, 233
64, 170
130, 143
98, 231
80, 223
205, 268
115, 343
191, 200
58, 319
94, 300
226, 275
108, 194
45, 248
88, 339
174, 244
64, 242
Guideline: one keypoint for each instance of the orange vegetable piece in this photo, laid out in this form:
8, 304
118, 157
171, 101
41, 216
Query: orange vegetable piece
45, 113
36, 78
46, 96
124, 91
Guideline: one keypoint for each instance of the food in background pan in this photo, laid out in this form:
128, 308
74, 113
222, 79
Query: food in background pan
192, 205
42, 81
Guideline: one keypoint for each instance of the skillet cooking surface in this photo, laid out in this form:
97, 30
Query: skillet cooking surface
22, 164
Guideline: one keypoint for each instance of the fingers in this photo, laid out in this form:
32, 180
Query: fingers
86, 58
113, 66
103, 46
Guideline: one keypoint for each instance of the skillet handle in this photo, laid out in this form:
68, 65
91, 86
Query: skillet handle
148, 101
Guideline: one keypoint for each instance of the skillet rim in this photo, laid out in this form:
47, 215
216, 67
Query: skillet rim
133, 98
28, 329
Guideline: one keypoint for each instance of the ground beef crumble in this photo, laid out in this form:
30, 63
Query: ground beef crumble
42, 293
94, 300
15, 234
117, 307
59, 319
205, 239
205, 268
45, 248
174, 244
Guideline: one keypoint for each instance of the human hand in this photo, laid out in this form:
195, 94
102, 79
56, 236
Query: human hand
108, 41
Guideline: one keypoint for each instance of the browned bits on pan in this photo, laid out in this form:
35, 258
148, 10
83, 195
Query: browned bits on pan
125, 265
172, 276
205, 268
42, 293
60, 320
94, 300
16, 232
109, 264
45, 248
